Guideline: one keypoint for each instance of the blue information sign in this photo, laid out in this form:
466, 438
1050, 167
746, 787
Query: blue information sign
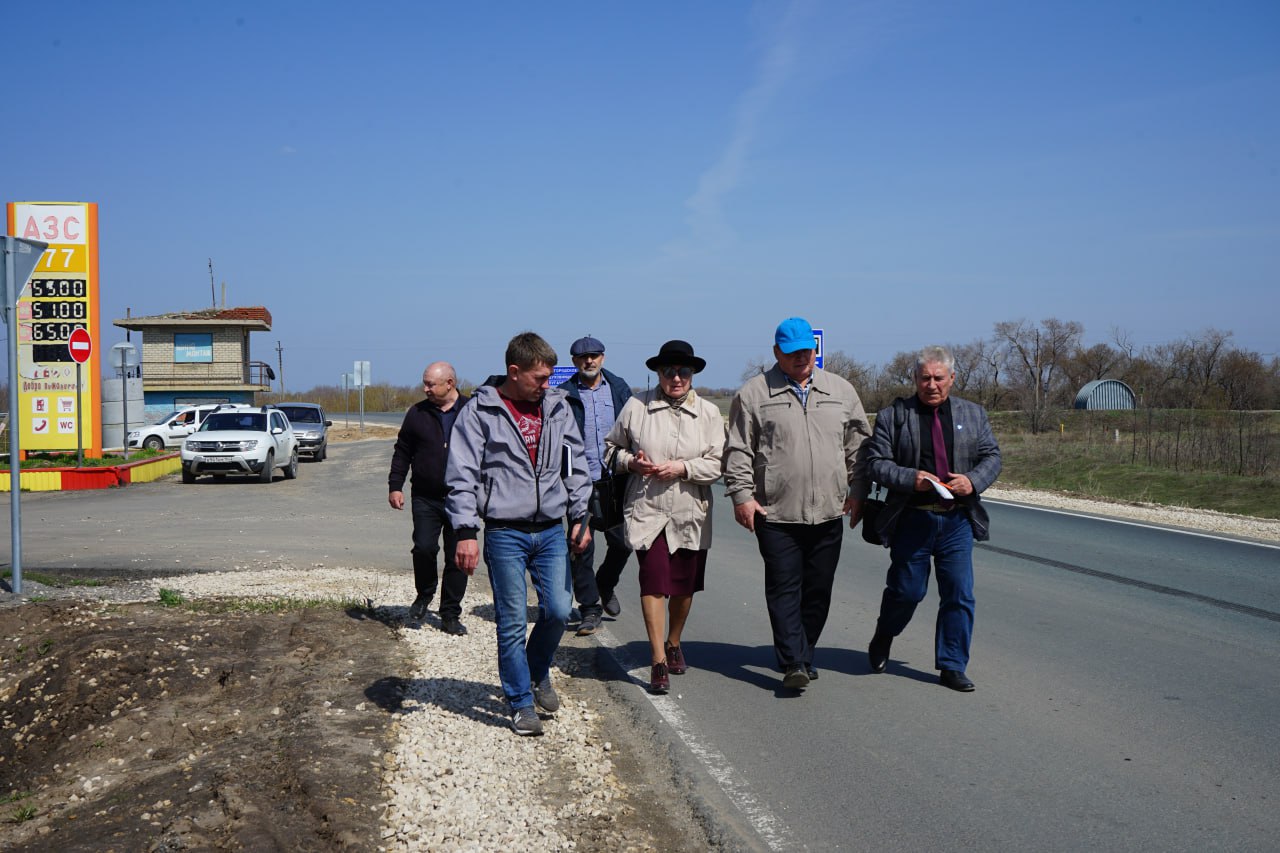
561, 373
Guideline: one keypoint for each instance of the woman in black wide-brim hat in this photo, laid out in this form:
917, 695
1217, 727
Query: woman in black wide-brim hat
672, 439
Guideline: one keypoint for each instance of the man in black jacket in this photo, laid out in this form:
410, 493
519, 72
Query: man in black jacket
596, 397
423, 447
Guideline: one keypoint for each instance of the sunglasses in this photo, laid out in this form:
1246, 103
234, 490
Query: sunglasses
673, 372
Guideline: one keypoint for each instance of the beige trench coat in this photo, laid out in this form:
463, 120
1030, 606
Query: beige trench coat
694, 433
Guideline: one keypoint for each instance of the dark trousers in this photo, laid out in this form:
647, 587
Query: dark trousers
947, 540
799, 569
429, 521
591, 588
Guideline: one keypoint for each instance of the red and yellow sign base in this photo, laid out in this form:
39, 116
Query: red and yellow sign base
105, 477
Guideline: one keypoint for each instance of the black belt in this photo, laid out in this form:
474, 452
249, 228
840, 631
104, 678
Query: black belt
522, 526
936, 508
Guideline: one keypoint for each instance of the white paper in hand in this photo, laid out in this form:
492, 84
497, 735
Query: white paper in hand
942, 491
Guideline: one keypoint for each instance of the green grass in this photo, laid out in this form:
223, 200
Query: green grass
68, 460
170, 598
58, 581
1046, 462
275, 605
22, 814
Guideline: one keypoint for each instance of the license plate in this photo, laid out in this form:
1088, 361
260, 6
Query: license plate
218, 458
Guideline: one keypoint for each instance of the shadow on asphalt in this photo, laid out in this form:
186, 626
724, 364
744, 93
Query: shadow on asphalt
757, 666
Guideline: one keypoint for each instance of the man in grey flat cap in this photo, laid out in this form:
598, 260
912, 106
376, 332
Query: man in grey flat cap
596, 397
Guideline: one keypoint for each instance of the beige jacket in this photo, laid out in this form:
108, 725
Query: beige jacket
694, 432
799, 462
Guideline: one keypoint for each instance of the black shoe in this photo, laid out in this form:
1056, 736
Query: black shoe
612, 605
418, 610
453, 626
878, 652
956, 680
796, 677
590, 623
811, 672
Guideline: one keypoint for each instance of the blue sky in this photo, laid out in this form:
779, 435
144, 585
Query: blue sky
405, 182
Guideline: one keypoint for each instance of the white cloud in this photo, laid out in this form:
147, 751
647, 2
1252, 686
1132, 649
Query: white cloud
708, 226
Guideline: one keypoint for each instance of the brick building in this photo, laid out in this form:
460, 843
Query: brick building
194, 357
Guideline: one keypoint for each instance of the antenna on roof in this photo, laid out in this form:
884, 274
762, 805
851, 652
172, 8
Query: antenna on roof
213, 291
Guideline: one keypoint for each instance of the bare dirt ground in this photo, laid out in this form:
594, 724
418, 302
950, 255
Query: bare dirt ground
133, 727
144, 727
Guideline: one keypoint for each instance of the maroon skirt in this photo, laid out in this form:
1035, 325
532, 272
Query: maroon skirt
667, 574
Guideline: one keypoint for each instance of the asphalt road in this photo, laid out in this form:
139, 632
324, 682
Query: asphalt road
1126, 698
1126, 675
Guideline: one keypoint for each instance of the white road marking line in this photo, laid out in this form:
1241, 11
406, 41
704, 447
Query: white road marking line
1134, 523
766, 824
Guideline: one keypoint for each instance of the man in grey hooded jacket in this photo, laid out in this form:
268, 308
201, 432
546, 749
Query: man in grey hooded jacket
516, 466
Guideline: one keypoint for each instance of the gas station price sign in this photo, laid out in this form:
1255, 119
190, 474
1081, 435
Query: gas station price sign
62, 296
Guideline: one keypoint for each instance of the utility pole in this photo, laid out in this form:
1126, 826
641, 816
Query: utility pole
280, 362
213, 291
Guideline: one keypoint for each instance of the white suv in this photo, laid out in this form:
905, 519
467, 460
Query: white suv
172, 429
241, 440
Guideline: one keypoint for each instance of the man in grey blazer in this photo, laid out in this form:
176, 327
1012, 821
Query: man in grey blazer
935, 453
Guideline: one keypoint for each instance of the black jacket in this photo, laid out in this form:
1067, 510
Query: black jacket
423, 446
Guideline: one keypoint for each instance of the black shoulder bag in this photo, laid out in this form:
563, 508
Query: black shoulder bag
607, 496
879, 494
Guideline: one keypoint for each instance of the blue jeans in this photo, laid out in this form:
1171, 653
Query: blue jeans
947, 538
508, 555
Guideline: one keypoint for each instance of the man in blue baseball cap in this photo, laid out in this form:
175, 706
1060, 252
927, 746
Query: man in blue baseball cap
792, 487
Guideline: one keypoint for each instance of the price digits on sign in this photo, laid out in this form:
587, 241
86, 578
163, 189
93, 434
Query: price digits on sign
59, 309
53, 331
75, 288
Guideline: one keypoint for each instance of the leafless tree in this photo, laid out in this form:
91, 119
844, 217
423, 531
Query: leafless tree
1033, 357
755, 367
978, 373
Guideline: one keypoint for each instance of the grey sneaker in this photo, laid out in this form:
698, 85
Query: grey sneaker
545, 695
525, 722
613, 606
590, 624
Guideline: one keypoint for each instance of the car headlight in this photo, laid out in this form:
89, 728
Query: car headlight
135, 434
249, 445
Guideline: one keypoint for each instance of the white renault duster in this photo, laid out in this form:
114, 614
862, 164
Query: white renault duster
241, 440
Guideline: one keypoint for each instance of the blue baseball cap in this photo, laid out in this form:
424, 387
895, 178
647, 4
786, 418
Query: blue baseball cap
794, 333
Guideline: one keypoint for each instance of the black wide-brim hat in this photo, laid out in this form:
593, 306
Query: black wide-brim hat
678, 354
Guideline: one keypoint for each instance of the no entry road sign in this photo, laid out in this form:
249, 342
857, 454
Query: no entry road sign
80, 345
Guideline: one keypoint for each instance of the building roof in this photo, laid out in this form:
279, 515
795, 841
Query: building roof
251, 316
1105, 394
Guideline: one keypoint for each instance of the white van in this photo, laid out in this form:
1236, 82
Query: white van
172, 430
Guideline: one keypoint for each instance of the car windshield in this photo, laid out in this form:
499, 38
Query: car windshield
301, 414
251, 421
